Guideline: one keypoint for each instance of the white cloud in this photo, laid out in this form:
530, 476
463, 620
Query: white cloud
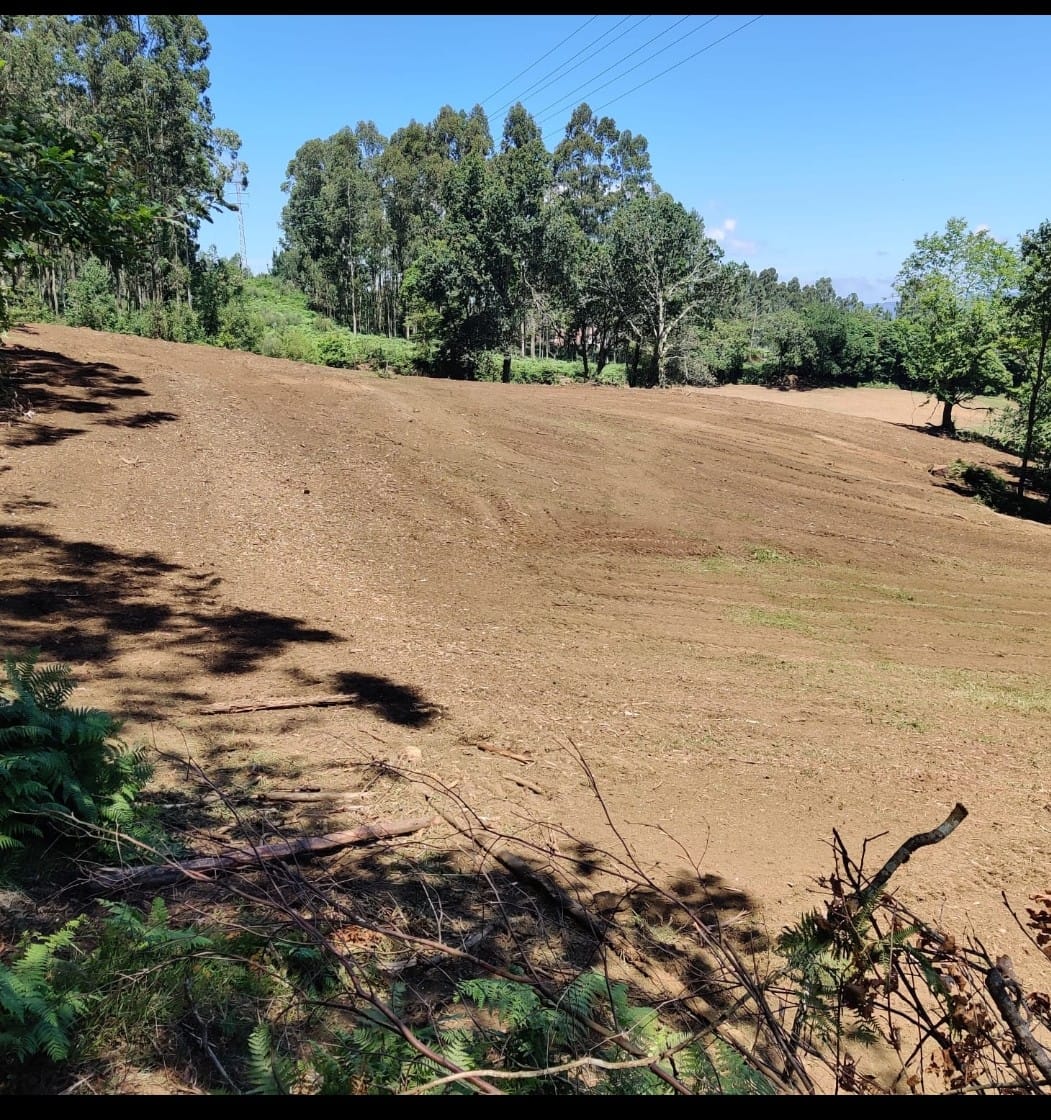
983, 228
721, 233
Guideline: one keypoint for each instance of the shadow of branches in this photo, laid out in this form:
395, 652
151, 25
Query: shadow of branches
77, 600
46, 382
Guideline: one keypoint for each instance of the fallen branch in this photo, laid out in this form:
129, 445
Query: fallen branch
1007, 995
904, 854
503, 754
312, 795
531, 786
205, 867
324, 700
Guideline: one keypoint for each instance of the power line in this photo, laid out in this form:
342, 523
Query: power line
708, 47
563, 65
714, 43
595, 89
591, 19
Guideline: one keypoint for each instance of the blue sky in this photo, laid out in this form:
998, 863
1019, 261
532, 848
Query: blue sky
815, 145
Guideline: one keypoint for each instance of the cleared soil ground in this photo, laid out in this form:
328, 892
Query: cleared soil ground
757, 615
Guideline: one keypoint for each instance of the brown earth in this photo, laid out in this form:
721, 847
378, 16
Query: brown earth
758, 623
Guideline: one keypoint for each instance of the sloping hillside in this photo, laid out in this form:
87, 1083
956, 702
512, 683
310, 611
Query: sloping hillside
756, 623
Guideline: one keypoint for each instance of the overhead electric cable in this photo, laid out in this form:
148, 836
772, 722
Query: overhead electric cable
561, 102
539, 82
714, 43
708, 47
590, 19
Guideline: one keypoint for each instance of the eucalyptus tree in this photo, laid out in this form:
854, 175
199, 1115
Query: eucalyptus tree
664, 273
141, 82
1031, 321
58, 192
952, 290
517, 186
597, 169
483, 267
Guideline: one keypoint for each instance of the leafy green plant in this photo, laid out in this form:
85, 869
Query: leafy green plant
37, 1008
270, 1072
163, 983
503, 1024
837, 965
59, 763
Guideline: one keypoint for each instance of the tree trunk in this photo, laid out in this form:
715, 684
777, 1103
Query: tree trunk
505, 372
633, 372
1030, 422
947, 426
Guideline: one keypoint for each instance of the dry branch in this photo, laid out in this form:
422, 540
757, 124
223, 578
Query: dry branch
524, 783
311, 795
1007, 995
503, 754
204, 867
327, 699
904, 854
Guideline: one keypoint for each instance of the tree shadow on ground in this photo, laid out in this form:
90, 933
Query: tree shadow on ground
396, 703
987, 485
670, 931
46, 382
77, 601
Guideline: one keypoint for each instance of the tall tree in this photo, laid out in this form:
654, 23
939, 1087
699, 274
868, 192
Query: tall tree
597, 169
952, 289
59, 192
663, 271
140, 81
1031, 319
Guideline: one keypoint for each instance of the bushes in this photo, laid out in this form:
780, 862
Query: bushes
59, 765
91, 302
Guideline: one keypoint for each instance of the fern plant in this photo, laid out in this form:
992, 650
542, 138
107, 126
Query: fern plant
58, 762
508, 1025
836, 967
37, 1007
270, 1072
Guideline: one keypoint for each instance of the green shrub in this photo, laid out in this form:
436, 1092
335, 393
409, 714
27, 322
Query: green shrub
37, 1008
90, 298
337, 349
58, 763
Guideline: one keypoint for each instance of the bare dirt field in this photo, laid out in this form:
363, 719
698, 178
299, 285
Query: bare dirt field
757, 615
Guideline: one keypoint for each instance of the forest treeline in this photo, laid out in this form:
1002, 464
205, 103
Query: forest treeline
470, 251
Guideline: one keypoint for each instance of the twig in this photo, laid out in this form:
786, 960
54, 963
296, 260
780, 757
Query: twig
531, 786
904, 854
504, 754
327, 699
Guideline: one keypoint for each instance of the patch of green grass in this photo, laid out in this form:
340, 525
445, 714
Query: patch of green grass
1026, 699
763, 555
779, 620
896, 593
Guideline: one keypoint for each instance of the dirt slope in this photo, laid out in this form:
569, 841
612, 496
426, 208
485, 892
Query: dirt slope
756, 622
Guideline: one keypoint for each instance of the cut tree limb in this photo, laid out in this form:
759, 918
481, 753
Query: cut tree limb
503, 754
327, 699
206, 866
1007, 995
312, 795
904, 854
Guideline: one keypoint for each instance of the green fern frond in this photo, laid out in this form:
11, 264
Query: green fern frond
270, 1073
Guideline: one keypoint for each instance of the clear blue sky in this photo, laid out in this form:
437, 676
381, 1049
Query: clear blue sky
815, 145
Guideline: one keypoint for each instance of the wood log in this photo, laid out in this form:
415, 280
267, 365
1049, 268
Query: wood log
205, 867
327, 699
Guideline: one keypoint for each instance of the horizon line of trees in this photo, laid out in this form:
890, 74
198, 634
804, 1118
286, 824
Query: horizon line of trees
467, 246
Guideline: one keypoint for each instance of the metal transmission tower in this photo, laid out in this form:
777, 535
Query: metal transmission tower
242, 195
